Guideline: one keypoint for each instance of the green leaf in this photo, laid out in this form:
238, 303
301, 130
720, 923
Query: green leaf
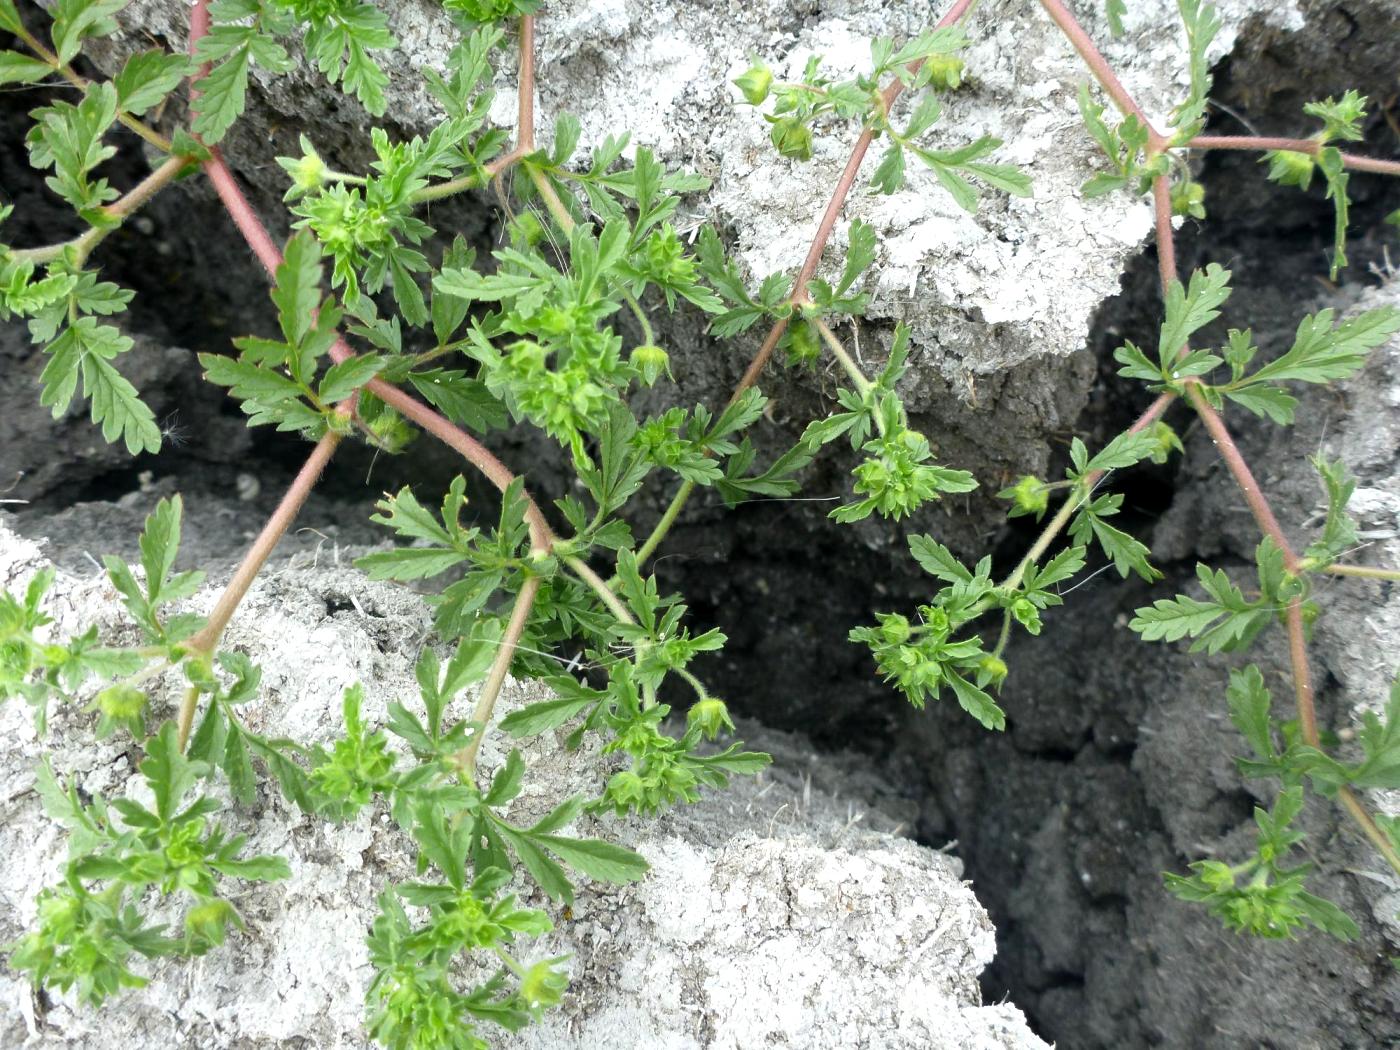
465, 401
1190, 309
147, 78
21, 69
84, 351
976, 702
1339, 531
343, 379
169, 774
507, 781
443, 840
1115, 10
9, 17
77, 20
1202, 23
1321, 353
298, 289
1270, 402
597, 859
1226, 621
889, 174
1249, 701
222, 96
264, 868
938, 561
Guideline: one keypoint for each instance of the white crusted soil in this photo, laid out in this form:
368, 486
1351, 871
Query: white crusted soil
1017, 284
777, 914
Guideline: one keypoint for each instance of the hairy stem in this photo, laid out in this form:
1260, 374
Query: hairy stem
1309, 146
260, 241
1078, 494
237, 588
584, 572
1363, 571
135, 199
525, 87
668, 519
1259, 506
1244, 477
1098, 66
847, 363
500, 667
834, 207
272, 532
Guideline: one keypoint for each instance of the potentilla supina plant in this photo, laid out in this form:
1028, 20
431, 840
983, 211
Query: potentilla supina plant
455, 347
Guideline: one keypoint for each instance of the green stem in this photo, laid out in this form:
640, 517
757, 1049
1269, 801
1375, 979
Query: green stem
500, 668
1052, 529
585, 572
695, 683
1005, 635
648, 336
1363, 571
32, 42
1082, 487
118, 210
678, 502
261, 550
847, 363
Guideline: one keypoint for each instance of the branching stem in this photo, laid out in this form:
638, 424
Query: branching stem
1078, 493
1099, 67
34, 44
848, 364
136, 198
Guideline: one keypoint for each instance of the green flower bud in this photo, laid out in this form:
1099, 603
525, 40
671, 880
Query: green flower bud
206, 925
710, 716
1026, 614
527, 357
121, 702
529, 228
945, 71
1029, 496
308, 172
1188, 198
391, 431
803, 345
755, 84
1167, 442
894, 628
991, 669
543, 986
1289, 168
792, 137
650, 362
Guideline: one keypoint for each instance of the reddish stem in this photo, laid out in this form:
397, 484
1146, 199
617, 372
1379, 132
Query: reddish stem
500, 668
828, 222
1309, 146
1244, 477
260, 241
525, 86
262, 547
1166, 236
1381, 167
1098, 65
1251, 142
